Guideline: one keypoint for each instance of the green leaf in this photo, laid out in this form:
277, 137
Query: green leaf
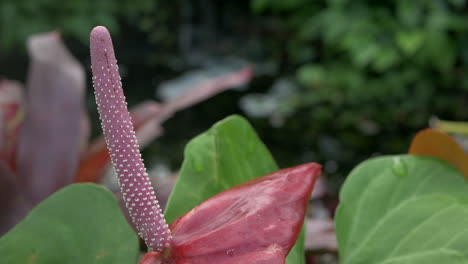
410, 41
81, 223
403, 209
311, 75
228, 154
259, 6
387, 58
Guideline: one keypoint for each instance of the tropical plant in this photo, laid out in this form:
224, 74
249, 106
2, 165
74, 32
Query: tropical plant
393, 209
277, 200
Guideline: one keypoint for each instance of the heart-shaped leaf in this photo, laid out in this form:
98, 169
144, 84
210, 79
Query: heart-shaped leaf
228, 154
254, 222
403, 209
81, 223
431, 142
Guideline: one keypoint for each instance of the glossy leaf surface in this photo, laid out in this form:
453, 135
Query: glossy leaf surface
255, 222
228, 154
252, 223
403, 209
435, 143
81, 223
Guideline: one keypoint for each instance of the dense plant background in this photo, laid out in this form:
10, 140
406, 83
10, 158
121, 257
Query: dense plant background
335, 81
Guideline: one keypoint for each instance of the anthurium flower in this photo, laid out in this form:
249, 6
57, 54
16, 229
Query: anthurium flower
255, 222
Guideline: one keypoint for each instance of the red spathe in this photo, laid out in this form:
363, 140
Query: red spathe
252, 223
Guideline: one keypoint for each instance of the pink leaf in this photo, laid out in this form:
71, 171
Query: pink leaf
13, 205
252, 223
49, 144
206, 89
320, 235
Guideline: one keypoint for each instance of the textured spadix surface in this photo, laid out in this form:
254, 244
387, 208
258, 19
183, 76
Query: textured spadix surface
122, 144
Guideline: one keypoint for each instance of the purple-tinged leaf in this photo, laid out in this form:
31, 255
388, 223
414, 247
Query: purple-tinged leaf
49, 144
85, 130
13, 206
147, 119
320, 188
206, 89
320, 235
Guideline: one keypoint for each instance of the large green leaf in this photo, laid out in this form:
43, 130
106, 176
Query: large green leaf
403, 209
226, 155
81, 223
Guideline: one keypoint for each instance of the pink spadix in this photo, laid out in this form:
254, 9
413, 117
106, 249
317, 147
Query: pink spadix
120, 137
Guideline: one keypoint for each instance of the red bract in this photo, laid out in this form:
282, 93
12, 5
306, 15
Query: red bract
252, 223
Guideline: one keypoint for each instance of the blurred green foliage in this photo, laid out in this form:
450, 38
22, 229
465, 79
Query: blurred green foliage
371, 73
362, 76
21, 18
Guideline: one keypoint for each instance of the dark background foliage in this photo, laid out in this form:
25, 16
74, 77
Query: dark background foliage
336, 81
